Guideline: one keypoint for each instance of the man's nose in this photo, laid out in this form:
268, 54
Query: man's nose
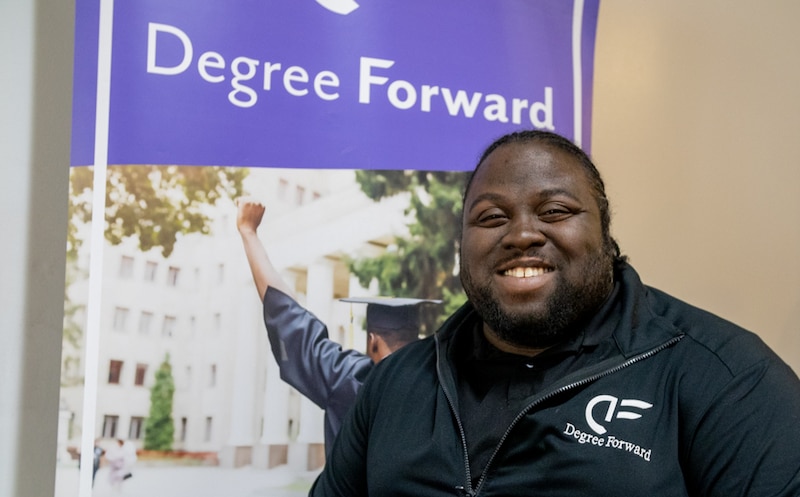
524, 231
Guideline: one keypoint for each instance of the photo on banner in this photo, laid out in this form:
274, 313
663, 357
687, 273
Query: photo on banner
355, 125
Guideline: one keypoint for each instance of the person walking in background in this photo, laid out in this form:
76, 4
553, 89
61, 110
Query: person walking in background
98, 454
116, 464
308, 359
129, 450
121, 458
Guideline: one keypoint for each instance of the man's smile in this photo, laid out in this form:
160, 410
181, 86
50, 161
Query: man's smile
521, 277
526, 272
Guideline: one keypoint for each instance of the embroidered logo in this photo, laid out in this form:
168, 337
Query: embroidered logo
611, 412
342, 7
600, 412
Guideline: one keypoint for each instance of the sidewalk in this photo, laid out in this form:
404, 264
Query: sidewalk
192, 481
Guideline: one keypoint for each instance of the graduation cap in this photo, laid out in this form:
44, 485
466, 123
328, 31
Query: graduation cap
390, 314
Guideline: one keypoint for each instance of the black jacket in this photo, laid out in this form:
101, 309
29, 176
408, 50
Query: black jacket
678, 403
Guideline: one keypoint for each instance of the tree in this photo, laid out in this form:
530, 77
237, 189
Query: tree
152, 203
160, 428
423, 265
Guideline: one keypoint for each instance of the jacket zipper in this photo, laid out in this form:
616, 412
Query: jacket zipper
468, 490
462, 491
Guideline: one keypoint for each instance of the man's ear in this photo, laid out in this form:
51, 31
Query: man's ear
372, 342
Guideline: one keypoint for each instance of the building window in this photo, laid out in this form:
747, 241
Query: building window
150, 269
182, 431
120, 318
114, 372
126, 267
212, 377
209, 427
145, 322
168, 327
135, 430
172, 275
299, 195
141, 372
110, 426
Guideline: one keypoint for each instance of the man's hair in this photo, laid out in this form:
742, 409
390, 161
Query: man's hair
565, 145
397, 338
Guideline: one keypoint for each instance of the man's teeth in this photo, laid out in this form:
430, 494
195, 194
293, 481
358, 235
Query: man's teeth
526, 272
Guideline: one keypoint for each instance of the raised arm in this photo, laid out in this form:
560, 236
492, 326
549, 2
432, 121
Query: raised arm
248, 218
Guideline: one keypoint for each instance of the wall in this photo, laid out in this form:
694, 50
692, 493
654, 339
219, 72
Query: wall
35, 94
696, 116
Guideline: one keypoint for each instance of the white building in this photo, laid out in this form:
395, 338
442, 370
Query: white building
200, 308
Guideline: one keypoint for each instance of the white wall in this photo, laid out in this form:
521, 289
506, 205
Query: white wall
696, 116
35, 98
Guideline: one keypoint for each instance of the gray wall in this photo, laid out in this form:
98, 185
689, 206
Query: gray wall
35, 94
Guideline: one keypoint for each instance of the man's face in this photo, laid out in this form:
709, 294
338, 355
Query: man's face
533, 261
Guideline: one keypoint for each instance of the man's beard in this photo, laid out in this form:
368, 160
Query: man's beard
567, 309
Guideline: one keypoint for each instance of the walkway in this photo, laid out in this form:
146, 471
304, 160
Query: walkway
192, 481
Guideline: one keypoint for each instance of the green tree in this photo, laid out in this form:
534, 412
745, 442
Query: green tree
424, 265
160, 428
152, 203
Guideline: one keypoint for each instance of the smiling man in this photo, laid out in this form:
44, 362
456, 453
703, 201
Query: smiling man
564, 374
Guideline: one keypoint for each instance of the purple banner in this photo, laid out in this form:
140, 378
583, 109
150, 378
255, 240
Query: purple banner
334, 83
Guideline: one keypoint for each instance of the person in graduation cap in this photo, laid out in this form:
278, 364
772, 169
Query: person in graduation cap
308, 359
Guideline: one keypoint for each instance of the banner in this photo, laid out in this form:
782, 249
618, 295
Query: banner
354, 124
305, 84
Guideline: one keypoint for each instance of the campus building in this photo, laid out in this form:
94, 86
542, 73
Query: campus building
199, 309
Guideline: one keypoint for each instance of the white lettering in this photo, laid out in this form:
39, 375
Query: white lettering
270, 68
394, 94
299, 81
326, 79
211, 60
427, 92
617, 443
541, 113
581, 436
250, 95
152, 33
496, 108
517, 106
366, 79
461, 101
295, 74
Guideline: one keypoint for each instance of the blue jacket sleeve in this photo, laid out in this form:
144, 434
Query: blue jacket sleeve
308, 359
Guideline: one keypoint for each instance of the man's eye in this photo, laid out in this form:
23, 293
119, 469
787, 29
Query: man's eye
491, 218
554, 215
